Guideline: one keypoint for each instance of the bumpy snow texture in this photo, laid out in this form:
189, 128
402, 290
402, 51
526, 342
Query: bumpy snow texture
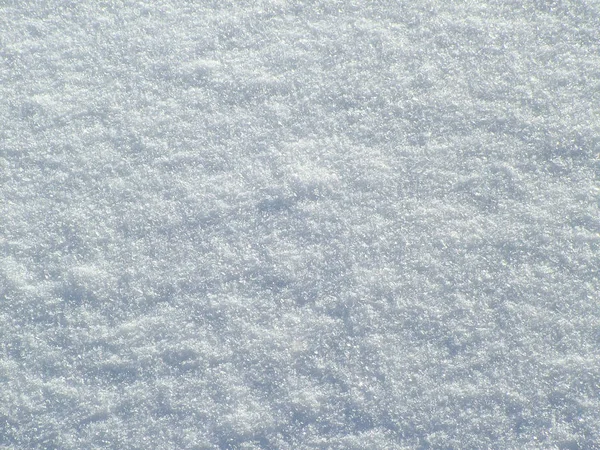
299, 224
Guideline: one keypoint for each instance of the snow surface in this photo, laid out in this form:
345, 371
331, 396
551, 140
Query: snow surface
318, 224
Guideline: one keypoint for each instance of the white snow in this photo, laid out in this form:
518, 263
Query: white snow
320, 224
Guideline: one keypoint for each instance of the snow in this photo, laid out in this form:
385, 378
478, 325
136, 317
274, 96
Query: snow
291, 225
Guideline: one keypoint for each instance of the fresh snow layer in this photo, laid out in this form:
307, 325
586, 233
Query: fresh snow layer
285, 225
